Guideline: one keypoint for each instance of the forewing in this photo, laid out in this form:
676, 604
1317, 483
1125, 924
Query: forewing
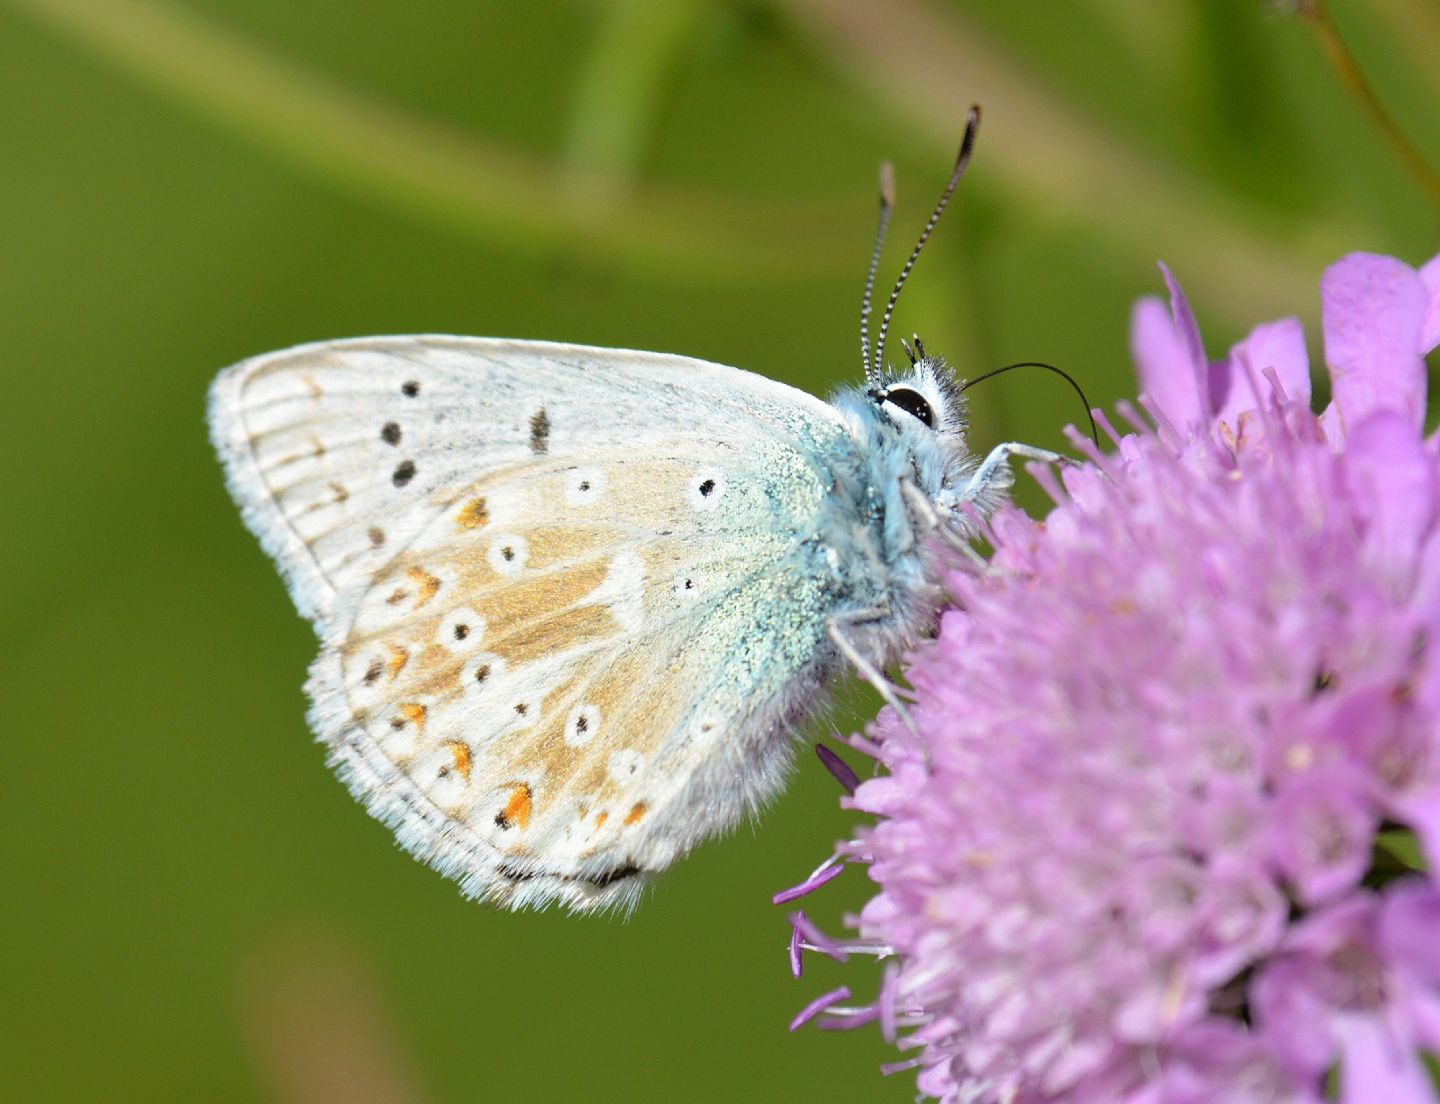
546, 578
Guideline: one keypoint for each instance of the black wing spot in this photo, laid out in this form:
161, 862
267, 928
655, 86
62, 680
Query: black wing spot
482, 672
462, 631
376, 535
404, 472
508, 553
521, 708
410, 388
390, 433
373, 672
707, 488
539, 432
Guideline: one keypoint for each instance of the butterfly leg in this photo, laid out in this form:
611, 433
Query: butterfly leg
835, 627
997, 458
925, 510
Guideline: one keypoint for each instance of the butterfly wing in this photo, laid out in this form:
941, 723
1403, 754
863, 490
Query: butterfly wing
566, 596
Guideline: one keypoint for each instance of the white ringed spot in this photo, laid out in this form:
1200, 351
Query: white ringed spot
582, 725
436, 773
705, 489
707, 728
399, 744
481, 673
461, 630
624, 765
584, 486
507, 554
524, 711
687, 585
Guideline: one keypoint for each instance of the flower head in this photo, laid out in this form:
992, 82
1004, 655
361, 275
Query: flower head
1143, 852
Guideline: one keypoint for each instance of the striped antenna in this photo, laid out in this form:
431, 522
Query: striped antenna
887, 204
967, 144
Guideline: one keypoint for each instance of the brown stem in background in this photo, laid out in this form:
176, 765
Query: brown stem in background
1342, 61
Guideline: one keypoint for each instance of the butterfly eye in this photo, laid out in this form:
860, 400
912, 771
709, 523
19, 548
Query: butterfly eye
912, 402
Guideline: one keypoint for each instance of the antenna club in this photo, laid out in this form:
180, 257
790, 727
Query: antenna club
887, 184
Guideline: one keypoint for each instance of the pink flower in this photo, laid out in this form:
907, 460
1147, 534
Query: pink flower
1139, 856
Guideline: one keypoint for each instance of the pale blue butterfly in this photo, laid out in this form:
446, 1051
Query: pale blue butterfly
572, 602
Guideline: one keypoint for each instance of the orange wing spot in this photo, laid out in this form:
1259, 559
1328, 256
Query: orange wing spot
636, 812
414, 713
517, 809
427, 583
600, 818
398, 658
463, 759
473, 514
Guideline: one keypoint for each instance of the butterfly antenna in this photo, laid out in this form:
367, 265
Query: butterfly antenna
967, 144
1066, 376
887, 204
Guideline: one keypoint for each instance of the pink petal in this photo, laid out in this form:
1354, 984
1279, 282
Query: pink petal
1393, 474
1421, 813
1186, 327
1430, 331
1288, 999
1373, 309
1277, 345
1170, 360
1322, 834
1378, 1065
1409, 921
1423, 1012
1159, 358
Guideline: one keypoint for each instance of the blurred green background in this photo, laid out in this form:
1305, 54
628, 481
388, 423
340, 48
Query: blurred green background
194, 908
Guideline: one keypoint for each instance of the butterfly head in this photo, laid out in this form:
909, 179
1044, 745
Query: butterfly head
928, 395
911, 425
917, 416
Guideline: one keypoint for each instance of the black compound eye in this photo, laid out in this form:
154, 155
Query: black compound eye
913, 403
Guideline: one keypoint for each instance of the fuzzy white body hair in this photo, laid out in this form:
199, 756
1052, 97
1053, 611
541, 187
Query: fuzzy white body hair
573, 602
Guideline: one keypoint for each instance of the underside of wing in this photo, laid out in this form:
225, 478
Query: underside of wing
340, 452
565, 599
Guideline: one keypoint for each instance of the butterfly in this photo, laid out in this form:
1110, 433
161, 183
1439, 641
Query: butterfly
573, 601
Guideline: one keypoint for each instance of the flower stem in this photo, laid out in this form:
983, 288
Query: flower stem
1342, 61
